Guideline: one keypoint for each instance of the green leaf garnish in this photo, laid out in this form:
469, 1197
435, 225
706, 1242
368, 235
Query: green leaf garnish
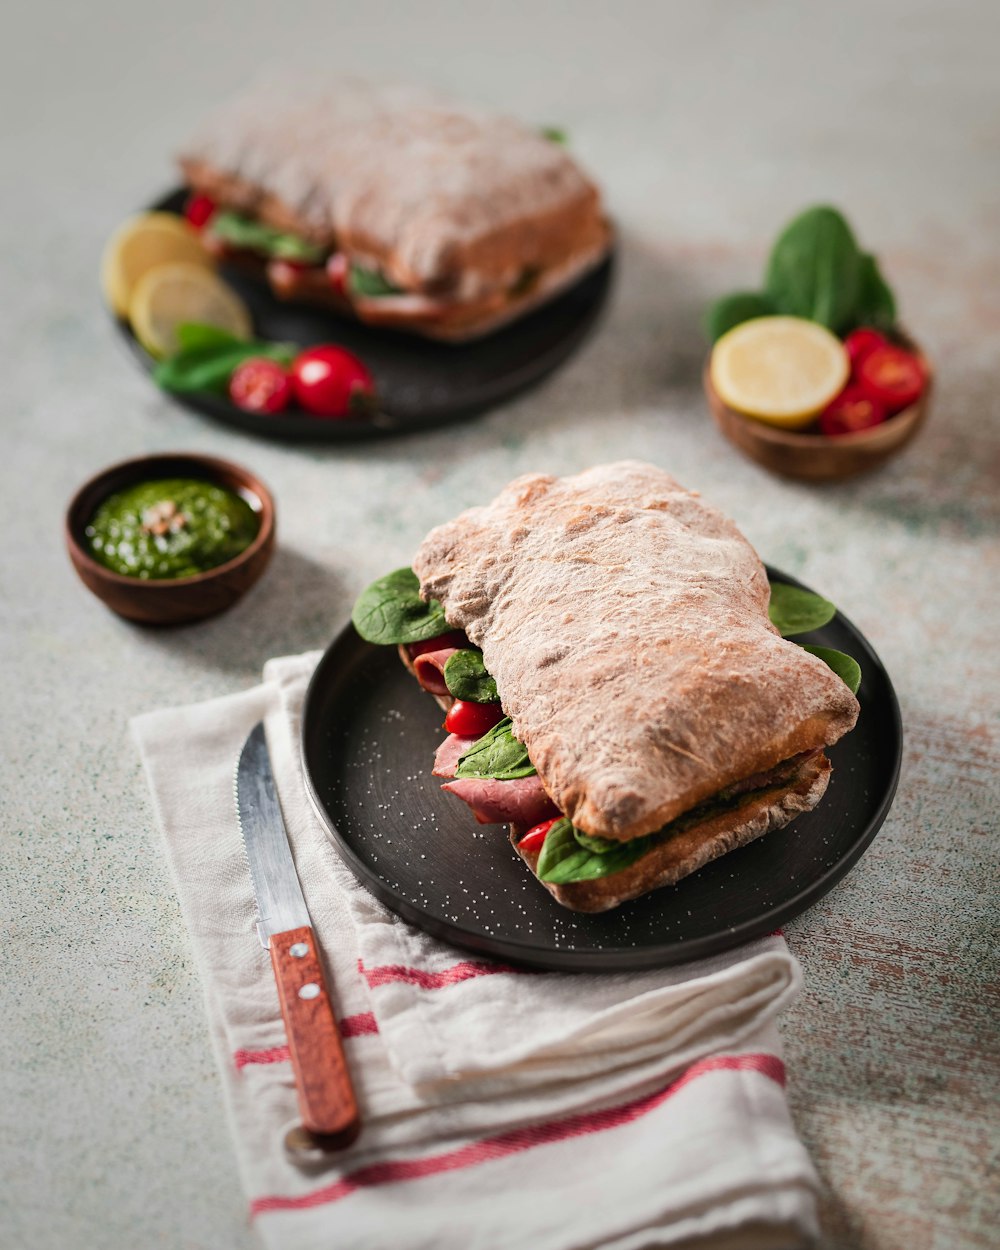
554, 135
466, 677
733, 310
795, 611
391, 611
210, 366
497, 754
846, 668
814, 270
244, 233
876, 305
568, 855
369, 283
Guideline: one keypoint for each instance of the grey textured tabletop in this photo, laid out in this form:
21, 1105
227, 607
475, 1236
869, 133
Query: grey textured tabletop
708, 126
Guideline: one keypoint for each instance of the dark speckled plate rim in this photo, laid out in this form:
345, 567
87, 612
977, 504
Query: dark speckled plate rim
297, 427
619, 960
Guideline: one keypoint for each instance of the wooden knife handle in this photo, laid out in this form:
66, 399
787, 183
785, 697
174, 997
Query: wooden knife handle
326, 1096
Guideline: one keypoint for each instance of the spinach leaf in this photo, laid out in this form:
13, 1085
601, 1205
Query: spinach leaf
193, 334
369, 283
554, 134
733, 310
876, 305
795, 611
242, 232
466, 677
391, 611
565, 858
846, 668
209, 368
815, 269
497, 754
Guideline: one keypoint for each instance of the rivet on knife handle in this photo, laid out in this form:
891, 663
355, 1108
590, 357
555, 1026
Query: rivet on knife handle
326, 1097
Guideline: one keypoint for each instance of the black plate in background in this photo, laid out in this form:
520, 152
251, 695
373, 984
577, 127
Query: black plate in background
420, 383
369, 734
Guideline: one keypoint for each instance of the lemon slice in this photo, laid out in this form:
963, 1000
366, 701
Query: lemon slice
140, 244
782, 370
171, 294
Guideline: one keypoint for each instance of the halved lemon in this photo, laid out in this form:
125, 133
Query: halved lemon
142, 243
782, 370
171, 294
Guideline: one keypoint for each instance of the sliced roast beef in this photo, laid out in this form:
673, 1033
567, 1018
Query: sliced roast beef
429, 669
522, 801
448, 754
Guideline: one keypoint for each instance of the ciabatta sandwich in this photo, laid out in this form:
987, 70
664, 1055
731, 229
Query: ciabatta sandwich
394, 205
649, 715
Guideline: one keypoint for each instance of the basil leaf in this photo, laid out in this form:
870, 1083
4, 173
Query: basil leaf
815, 269
497, 754
209, 368
554, 134
846, 668
733, 310
466, 677
795, 611
242, 232
563, 859
194, 334
369, 283
391, 611
876, 305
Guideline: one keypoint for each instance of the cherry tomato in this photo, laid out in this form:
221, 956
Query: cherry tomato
338, 268
861, 343
331, 382
533, 839
852, 410
198, 210
892, 377
472, 720
454, 638
260, 385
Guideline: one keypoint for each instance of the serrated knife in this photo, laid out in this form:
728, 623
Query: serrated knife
326, 1096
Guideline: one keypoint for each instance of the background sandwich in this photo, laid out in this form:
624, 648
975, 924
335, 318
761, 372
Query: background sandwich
394, 204
648, 712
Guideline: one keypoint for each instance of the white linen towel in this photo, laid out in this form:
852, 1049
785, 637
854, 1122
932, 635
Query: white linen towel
500, 1107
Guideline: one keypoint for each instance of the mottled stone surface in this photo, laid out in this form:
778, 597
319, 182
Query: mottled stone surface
709, 125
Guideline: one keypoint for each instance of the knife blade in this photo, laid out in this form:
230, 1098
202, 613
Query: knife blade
326, 1097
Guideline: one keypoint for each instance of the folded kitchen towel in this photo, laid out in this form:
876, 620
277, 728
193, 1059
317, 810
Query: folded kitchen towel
500, 1107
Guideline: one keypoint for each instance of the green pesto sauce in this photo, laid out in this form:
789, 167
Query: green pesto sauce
170, 528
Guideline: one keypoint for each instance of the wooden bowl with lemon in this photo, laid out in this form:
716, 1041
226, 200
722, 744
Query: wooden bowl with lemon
811, 377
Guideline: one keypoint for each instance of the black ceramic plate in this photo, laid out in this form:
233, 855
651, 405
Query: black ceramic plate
369, 734
420, 383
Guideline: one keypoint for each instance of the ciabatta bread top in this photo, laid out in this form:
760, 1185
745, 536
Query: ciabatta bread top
441, 198
625, 622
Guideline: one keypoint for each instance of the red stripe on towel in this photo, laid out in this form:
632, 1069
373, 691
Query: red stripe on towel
490, 1148
388, 974
351, 1026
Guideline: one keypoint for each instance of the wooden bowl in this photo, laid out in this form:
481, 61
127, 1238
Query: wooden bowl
170, 601
818, 457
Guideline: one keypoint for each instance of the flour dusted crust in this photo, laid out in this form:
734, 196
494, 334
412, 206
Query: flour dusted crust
694, 847
445, 200
625, 622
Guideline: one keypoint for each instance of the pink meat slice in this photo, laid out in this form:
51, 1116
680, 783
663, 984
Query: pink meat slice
448, 754
522, 801
429, 669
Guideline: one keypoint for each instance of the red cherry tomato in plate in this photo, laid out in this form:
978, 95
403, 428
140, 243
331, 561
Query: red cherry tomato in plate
260, 385
199, 210
472, 720
861, 343
851, 411
330, 381
533, 839
892, 376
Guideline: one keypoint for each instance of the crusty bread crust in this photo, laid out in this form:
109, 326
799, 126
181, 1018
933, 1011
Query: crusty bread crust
625, 623
689, 850
442, 199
